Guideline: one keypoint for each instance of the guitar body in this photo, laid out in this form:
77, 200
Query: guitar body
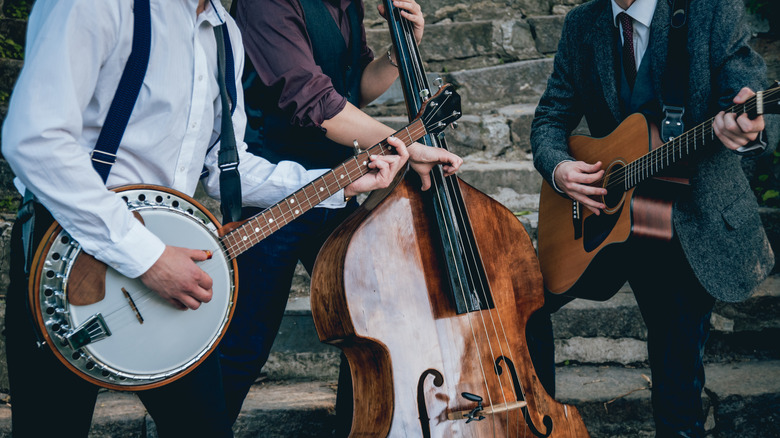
583, 257
411, 354
113, 331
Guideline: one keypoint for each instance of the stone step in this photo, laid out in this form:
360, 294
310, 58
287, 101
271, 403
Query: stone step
586, 332
740, 399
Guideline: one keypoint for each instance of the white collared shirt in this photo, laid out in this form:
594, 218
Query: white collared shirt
76, 52
642, 12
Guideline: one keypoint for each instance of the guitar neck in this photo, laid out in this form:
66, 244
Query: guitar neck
288, 209
683, 146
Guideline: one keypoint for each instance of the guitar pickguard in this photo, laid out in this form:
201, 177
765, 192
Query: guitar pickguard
597, 228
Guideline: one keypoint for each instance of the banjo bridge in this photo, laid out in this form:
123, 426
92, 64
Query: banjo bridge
92, 330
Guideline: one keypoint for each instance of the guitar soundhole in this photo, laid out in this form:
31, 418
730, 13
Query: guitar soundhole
142, 197
159, 199
65, 240
614, 186
76, 355
175, 204
90, 365
48, 292
55, 256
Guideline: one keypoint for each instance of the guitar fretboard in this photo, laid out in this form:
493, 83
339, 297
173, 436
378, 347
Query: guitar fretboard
271, 219
683, 146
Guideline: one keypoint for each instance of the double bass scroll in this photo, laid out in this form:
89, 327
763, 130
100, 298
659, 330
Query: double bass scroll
427, 294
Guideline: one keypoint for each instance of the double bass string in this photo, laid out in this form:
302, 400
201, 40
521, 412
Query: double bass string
456, 201
416, 72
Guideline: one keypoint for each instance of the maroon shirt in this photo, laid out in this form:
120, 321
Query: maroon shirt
278, 44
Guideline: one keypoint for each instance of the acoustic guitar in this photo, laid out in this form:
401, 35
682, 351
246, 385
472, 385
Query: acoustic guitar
577, 247
114, 332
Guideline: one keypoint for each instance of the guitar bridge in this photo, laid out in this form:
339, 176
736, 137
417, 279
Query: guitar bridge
92, 330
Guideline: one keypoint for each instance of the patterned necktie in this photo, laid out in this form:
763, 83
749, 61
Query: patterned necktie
629, 63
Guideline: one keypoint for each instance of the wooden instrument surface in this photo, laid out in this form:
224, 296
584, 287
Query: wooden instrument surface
412, 356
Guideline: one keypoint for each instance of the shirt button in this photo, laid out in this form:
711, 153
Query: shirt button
181, 169
200, 77
194, 125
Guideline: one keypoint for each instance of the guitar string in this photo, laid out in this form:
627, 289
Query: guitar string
449, 182
643, 166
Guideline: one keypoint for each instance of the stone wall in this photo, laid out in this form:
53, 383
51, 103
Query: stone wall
498, 54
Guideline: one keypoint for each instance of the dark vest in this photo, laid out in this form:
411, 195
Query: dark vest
268, 132
641, 98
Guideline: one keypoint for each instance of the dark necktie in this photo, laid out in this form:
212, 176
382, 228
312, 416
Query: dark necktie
629, 64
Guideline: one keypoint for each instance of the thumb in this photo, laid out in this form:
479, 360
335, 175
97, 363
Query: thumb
426, 181
199, 255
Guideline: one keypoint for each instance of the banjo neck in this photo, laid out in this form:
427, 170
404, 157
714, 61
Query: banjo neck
250, 232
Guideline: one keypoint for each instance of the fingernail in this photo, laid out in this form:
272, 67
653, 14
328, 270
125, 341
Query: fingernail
392, 137
209, 254
372, 157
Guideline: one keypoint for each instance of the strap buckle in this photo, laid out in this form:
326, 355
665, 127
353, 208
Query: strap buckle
672, 124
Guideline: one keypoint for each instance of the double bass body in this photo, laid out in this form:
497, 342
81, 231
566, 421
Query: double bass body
379, 293
428, 295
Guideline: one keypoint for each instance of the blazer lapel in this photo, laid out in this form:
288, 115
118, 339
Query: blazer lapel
605, 50
659, 35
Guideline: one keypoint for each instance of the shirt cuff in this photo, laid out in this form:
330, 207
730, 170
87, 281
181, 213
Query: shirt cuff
135, 253
755, 147
336, 200
553, 176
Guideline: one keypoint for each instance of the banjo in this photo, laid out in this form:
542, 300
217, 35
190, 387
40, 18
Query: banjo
116, 333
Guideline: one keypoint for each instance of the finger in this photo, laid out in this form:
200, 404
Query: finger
589, 202
407, 6
176, 303
743, 95
400, 147
188, 301
426, 181
750, 127
381, 9
199, 255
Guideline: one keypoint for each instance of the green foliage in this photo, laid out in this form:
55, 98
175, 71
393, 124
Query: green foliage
766, 9
9, 204
768, 188
10, 48
19, 9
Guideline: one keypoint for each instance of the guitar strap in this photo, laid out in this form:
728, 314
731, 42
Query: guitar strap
675, 80
227, 158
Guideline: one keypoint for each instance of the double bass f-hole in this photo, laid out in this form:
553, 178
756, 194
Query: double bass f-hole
547, 421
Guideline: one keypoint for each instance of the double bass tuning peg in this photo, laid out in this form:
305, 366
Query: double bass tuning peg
438, 81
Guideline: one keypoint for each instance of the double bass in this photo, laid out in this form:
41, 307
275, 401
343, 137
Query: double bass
427, 294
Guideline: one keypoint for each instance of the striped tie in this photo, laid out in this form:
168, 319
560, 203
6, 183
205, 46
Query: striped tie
629, 63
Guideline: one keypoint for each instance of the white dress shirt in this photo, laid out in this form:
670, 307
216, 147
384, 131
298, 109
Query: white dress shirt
76, 52
642, 12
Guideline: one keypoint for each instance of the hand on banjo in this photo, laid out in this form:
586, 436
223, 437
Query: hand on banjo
177, 279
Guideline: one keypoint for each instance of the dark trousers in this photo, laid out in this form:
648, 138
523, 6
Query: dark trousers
47, 399
676, 310
265, 277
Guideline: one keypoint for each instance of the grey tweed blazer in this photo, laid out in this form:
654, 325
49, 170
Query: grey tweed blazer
717, 222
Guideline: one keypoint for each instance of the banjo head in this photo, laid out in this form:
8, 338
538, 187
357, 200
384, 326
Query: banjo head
132, 339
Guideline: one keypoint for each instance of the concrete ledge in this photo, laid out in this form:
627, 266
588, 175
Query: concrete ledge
741, 399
